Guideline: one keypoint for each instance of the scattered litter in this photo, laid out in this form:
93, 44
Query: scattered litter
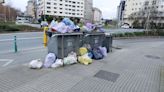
103, 51
85, 59
36, 64
50, 59
58, 63
97, 54
83, 51
70, 59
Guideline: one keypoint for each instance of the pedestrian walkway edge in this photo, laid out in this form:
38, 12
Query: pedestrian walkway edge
162, 80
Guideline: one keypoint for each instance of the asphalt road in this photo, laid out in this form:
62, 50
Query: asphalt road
29, 40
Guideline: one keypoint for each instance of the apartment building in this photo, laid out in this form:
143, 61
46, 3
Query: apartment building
30, 8
64, 8
97, 15
142, 10
88, 13
120, 11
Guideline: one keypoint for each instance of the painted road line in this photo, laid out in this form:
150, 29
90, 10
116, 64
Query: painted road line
21, 50
8, 61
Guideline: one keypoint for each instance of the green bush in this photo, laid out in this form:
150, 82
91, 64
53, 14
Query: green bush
4, 27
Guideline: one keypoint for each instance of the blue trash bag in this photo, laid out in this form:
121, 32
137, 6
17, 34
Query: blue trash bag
68, 22
97, 54
90, 54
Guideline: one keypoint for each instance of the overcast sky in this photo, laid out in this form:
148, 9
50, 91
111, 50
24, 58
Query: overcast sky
108, 7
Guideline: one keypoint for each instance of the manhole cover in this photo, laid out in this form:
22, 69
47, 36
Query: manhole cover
152, 57
109, 76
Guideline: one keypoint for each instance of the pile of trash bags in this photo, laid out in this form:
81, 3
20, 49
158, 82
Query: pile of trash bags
85, 56
68, 26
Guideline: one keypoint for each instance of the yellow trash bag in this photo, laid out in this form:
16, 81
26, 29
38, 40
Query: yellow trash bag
85, 59
83, 51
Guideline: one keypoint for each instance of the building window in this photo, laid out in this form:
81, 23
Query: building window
73, 5
147, 3
66, 4
61, 0
55, 3
55, 7
48, 11
73, 13
48, 3
61, 8
55, 11
61, 12
61, 4
73, 2
162, 6
154, 2
48, 7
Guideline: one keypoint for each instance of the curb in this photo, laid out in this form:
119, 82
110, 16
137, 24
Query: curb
162, 79
138, 37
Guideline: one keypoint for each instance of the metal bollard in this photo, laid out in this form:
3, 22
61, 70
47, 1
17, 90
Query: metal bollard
45, 38
15, 44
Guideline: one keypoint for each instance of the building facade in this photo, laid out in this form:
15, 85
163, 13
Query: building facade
88, 14
120, 12
30, 8
142, 11
97, 15
64, 8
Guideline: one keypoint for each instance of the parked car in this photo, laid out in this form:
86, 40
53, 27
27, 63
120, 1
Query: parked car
125, 26
43, 24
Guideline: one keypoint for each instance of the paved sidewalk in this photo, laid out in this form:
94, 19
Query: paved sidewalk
134, 68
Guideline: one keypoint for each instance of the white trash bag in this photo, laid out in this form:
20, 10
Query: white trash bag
57, 64
36, 64
71, 59
50, 59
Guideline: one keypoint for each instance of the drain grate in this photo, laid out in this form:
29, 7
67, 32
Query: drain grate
109, 76
152, 56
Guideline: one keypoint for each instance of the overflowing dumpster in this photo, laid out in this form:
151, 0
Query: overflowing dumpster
62, 44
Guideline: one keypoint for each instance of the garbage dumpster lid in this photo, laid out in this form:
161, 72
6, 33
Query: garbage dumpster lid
65, 34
